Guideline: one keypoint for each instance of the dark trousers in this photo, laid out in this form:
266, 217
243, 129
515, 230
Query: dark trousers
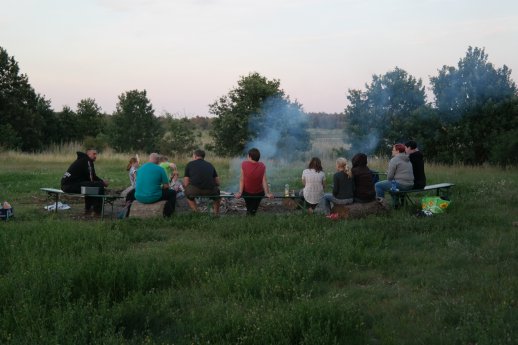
252, 202
95, 203
170, 196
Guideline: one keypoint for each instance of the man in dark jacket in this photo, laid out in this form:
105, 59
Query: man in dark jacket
81, 173
416, 158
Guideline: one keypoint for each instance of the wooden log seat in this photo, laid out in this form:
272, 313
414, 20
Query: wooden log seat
140, 210
359, 210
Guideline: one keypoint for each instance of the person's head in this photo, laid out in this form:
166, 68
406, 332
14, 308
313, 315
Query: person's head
359, 160
341, 165
132, 162
397, 149
199, 154
154, 158
254, 154
410, 146
163, 158
92, 154
315, 164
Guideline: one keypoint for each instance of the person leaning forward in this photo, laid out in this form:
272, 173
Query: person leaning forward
201, 179
81, 173
153, 185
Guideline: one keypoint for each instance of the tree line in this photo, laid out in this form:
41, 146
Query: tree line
472, 119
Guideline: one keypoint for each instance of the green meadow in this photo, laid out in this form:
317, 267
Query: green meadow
271, 279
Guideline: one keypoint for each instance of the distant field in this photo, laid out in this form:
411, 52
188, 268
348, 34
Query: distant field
270, 279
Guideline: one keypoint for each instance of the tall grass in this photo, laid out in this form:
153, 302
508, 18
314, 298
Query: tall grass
268, 279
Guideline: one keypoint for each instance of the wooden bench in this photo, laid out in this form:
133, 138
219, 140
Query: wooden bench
55, 194
400, 197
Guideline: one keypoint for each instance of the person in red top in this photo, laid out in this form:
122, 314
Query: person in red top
252, 183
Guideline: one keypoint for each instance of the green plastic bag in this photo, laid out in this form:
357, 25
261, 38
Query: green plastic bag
434, 204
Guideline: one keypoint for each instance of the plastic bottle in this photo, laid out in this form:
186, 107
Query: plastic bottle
393, 186
286, 190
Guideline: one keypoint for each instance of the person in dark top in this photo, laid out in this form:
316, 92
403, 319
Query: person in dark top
81, 173
416, 158
343, 186
201, 179
363, 181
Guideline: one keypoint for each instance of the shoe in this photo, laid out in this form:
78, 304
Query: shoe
333, 216
379, 199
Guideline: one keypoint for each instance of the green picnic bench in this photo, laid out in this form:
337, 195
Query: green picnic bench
55, 194
400, 197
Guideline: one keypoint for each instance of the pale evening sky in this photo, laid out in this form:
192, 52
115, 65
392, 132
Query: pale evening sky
188, 53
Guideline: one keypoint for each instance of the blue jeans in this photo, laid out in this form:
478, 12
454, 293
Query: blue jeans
329, 198
383, 186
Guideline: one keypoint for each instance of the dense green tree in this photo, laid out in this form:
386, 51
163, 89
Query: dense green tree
233, 111
180, 136
376, 117
133, 125
474, 82
90, 118
29, 120
477, 138
477, 106
69, 125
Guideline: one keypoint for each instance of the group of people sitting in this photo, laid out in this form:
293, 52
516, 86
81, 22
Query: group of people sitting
158, 180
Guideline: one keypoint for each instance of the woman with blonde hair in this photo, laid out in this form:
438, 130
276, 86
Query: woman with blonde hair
343, 186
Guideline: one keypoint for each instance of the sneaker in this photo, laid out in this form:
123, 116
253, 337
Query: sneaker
333, 216
379, 199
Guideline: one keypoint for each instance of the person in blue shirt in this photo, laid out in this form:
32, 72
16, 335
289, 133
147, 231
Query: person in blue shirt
153, 185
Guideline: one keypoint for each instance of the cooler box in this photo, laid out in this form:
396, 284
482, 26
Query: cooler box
90, 190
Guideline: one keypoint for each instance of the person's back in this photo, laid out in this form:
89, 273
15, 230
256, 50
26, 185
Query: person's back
400, 169
148, 188
253, 173
417, 160
343, 186
201, 174
363, 182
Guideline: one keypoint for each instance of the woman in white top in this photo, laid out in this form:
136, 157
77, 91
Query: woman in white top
313, 179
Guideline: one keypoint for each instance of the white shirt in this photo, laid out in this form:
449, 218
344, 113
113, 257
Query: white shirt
314, 188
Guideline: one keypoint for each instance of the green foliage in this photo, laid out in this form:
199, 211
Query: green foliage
90, 118
32, 124
375, 118
134, 126
9, 138
234, 110
69, 125
474, 82
180, 137
477, 138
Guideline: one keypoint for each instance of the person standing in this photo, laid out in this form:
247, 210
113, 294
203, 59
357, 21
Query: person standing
81, 173
399, 170
252, 182
343, 186
417, 160
201, 179
153, 185
313, 179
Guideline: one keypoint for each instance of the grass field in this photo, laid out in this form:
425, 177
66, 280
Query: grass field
269, 279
